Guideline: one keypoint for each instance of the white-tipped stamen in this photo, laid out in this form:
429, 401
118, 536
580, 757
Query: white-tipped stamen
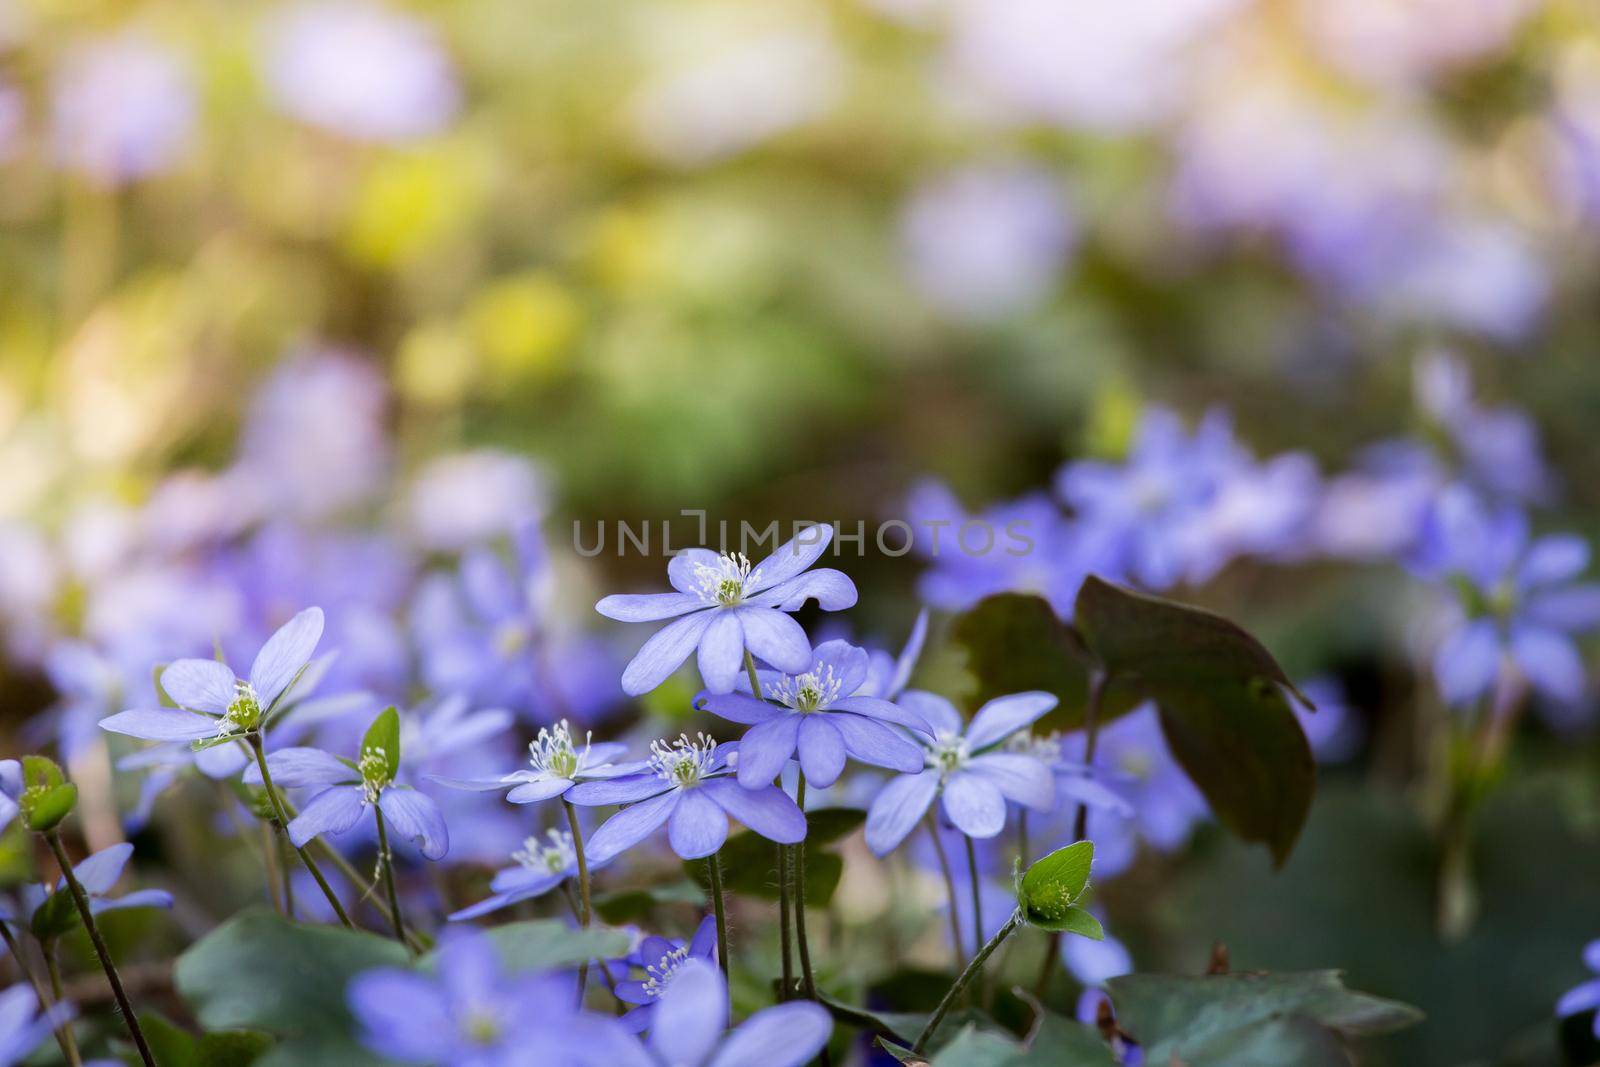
683, 763
723, 582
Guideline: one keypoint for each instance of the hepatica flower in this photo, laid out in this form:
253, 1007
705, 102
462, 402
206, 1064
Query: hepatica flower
470, 1014
1517, 599
539, 866
688, 1029
723, 606
1584, 997
820, 715
22, 1027
969, 771
348, 789
215, 706
661, 959
690, 787
555, 765
98, 874
11, 786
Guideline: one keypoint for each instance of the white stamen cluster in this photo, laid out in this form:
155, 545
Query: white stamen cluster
949, 753
554, 754
683, 762
374, 768
722, 582
554, 857
659, 975
809, 691
243, 714
1046, 748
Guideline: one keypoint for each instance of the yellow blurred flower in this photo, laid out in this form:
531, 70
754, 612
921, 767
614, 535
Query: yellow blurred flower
1113, 419
436, 365
524, 326
410, 204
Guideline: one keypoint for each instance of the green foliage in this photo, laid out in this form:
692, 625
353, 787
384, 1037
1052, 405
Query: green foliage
1251, 1020
1048, 892
384, 736
47, 797
1054, 1042
750, 861
636, 905
542, 944
55, 917
175, 1047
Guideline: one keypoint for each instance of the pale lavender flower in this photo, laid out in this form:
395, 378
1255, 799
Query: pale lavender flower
967, 768
98, 873
471, 1013
124, 108
470, 498
539, 866
688, 1024
1585, 996
690, 787
13, 116
22, 1028
1333, 730
555, 765
1497, 447
822, 716
661, 959
346, 790
724, 606
888, 675
986, 241
11, 786
214, 704
361, 70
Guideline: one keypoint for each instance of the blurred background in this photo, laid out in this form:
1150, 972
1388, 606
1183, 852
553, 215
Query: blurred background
314, 302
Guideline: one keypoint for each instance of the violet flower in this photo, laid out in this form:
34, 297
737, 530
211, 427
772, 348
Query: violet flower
98, 873
555, 765
969, 771
22, 1027
724, 606
213, 704
1585, 996
690, 787
661, 958
540, 867
11, 787
821, 715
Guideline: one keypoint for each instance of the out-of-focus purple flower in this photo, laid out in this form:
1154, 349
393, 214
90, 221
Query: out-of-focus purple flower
1021, 546
1479, 275
22, 1028
660, 959
1098, 67
470, 1013
361, 70
1076, 783
555, 765
1184, 505
1585, 996
1094, 963
540, 866
1376, 510
1516, 599
724, 606
986, 241
1402, 46
1498, 448
345, 791
215, 704
315, 443
471, 498
744, 75
1333, 729
88, 687
689, 787
124, 108
967, 768
687, 1029
98, 874
13, 116
888, 675
819, 714
11, 786
30, 577
1133, 758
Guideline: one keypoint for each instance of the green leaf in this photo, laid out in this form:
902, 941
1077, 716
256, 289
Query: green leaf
41, 772
973, 1047
1222, 706
55, 917
44, 806
232, 1048
750, 861
1056, 1041
635, 905
1078, 921
172, 1046
1053, 883
542, 944
384, 736
1243, 1020
1014, 642
261, 972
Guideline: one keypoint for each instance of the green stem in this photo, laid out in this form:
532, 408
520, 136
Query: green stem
69, 1044
949, 886
63, 1032
1091, 736
353, 876
283, 821
785, 911
750, 670
1022, 838
386, 866
714, 867
81, 899
807, 977
975, 884
584, 917
961, 983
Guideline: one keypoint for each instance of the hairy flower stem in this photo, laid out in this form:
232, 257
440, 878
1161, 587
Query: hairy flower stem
584, 916
949, 886
69, 1044
714, 867
386, 866
353, 876
81, 899
283, 821
69, 1048
750, 671
961, 983
785, 911
807, 977
1091, 736
974, 883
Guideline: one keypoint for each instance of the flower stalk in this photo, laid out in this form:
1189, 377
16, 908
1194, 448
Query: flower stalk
585, 915
69, 1044
283, 821
964, 980
386, 870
